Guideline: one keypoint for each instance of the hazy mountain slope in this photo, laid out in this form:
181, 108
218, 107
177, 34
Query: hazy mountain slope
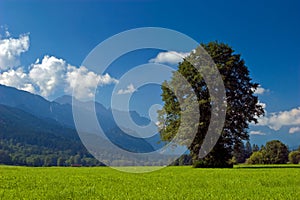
26, 128
60, 112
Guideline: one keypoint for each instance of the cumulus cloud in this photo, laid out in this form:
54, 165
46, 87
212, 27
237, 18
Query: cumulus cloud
283, 118
294, 130
170, 57
85, 81
260, 90
48, 75
130, 89
18, 79
107, 79
11, 49
53, 75
257, 133
4, 28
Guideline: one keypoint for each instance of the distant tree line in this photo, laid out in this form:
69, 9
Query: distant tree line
12, 153
273, 152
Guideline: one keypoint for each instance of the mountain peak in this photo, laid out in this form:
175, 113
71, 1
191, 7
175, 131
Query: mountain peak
65, 99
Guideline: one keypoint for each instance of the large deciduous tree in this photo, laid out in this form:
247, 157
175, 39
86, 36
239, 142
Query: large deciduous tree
242, 104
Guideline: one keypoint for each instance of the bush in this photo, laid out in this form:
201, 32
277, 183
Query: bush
256, 158
275, 152
294, 157
206, 164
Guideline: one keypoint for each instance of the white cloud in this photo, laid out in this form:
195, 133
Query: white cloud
52, 76
283, 118
130, 89
4, 28
260, 90
7, 33
85, 81
11, 49
18, 79
170, 57
294, 130
48, 75
107, 79
257, 133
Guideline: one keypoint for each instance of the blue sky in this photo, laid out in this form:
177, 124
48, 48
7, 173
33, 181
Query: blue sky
62, 33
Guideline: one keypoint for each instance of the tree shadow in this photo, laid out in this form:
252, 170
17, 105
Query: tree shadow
268, 166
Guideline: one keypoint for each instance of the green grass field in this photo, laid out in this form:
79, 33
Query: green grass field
169, 183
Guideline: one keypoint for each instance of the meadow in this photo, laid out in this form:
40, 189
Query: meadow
241, 182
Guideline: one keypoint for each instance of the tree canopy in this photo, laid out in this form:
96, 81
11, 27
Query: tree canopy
294, 157
274, 152
242, 104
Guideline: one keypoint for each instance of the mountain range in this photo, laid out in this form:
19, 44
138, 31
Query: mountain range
29, 119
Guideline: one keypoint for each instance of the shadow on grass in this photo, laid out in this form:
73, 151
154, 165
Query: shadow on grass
266, 166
